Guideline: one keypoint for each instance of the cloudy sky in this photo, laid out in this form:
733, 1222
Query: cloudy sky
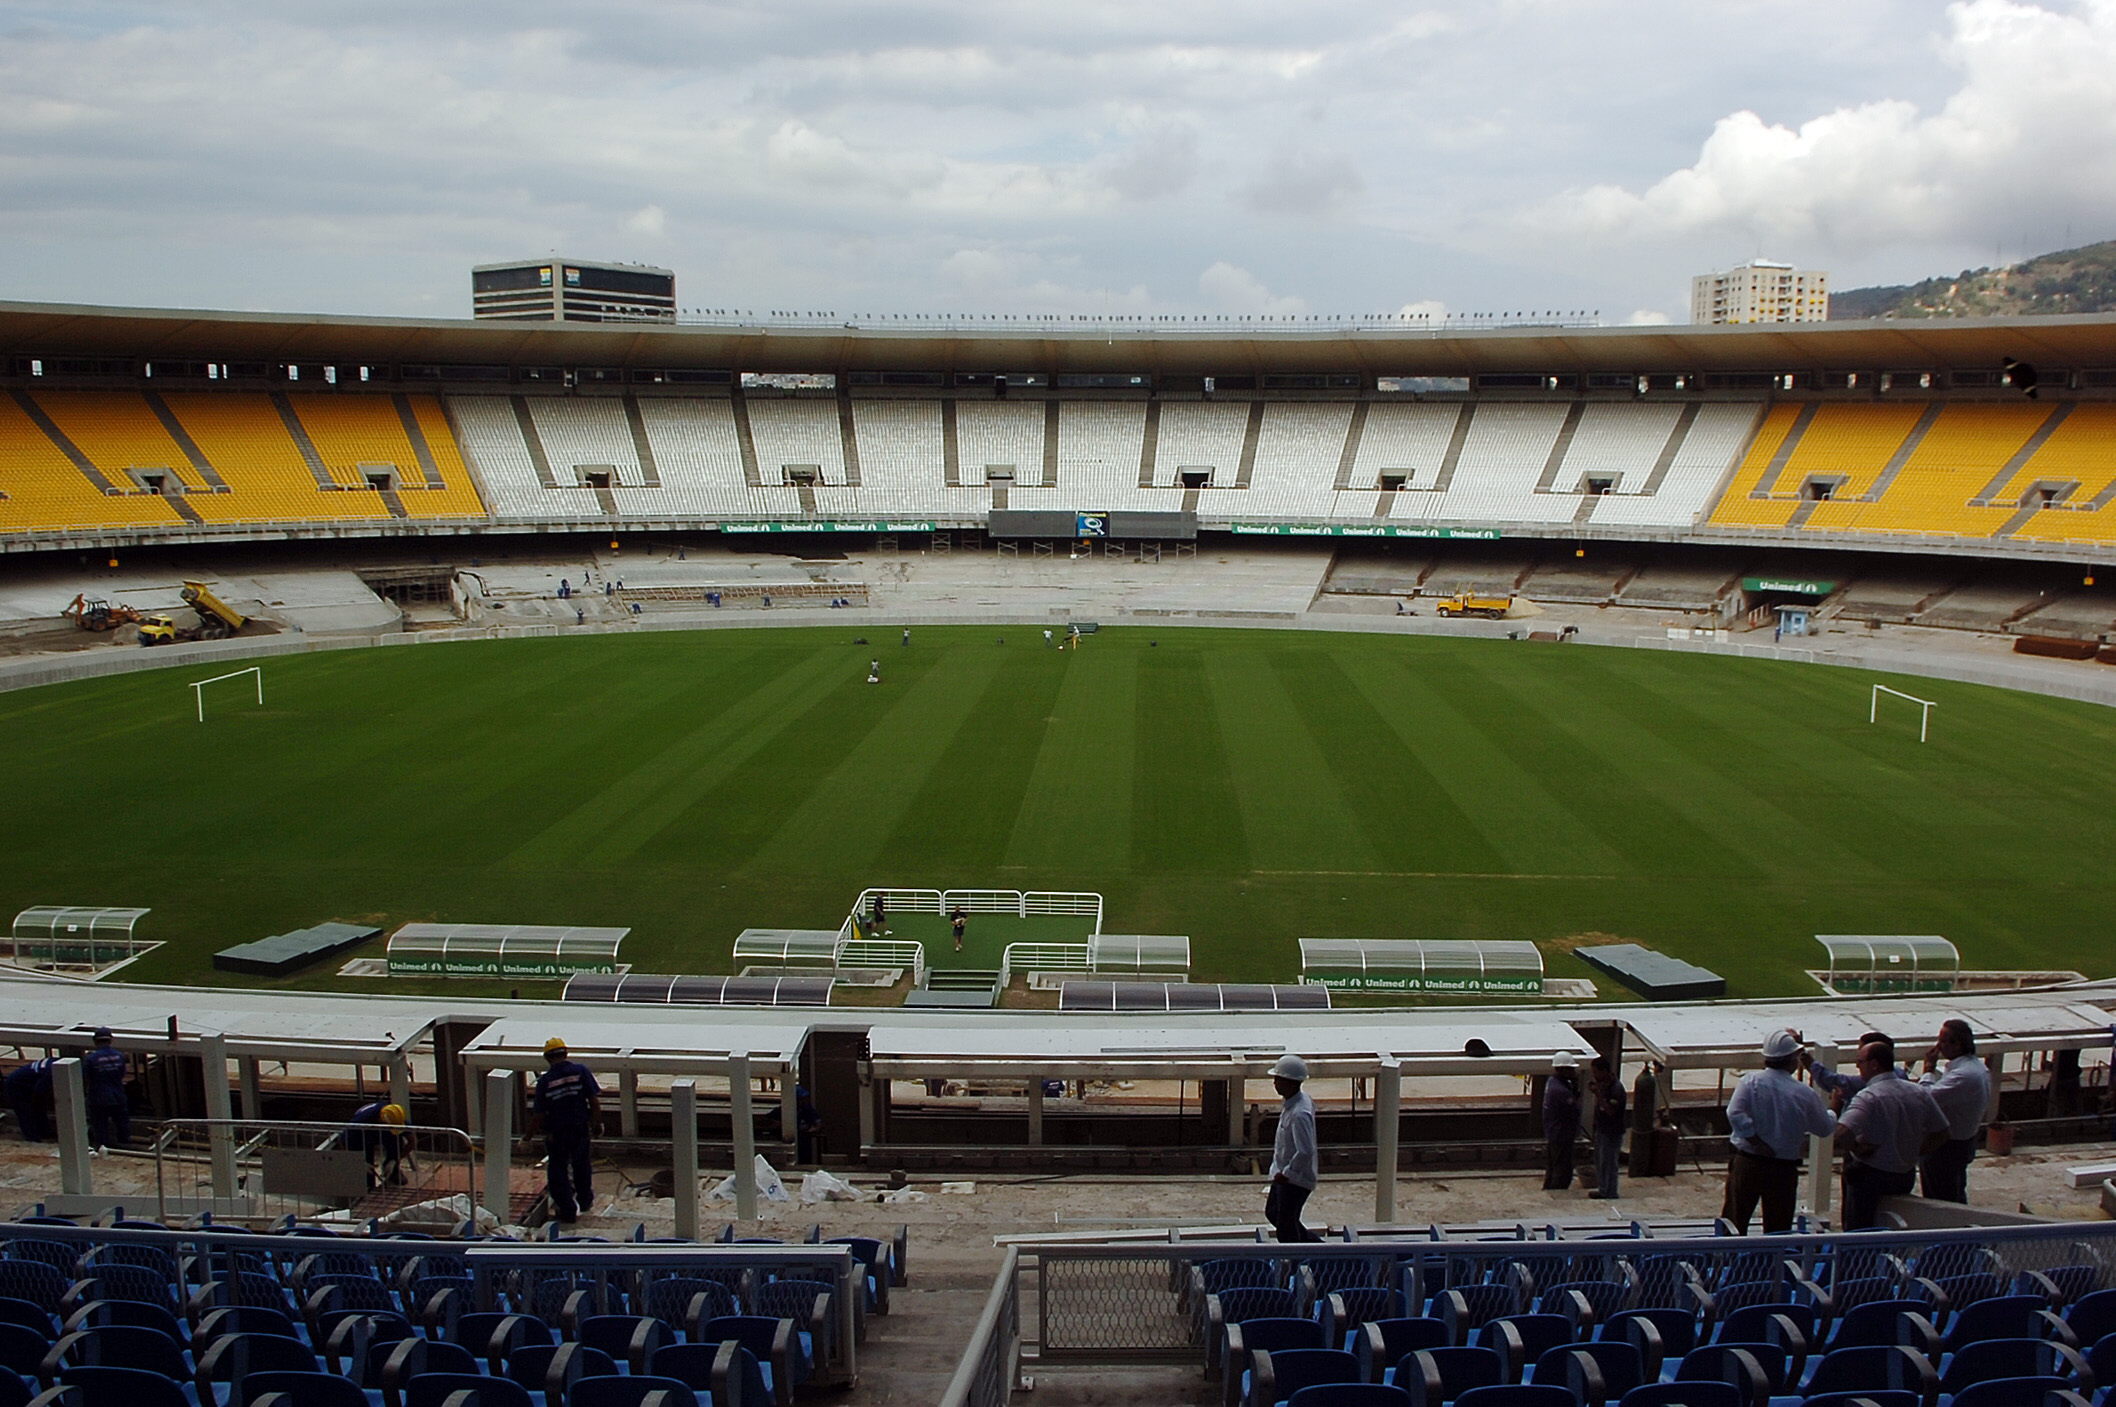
1021, 156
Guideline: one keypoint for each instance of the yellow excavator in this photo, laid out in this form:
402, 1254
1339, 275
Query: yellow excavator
216, 619
98, 614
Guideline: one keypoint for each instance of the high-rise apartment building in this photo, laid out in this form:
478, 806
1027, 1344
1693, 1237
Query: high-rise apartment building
1761, 290
572, 290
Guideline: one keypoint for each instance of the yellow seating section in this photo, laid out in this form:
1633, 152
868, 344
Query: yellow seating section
457, 497
349, 431
2082, 448
45, 491
1855, 441
118, 430
1736, 509
243, 438
1966, 445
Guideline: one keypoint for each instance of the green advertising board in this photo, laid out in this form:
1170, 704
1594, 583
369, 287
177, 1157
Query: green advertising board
862, 525
1454, 983
1364, 530
488, 966
1792, 586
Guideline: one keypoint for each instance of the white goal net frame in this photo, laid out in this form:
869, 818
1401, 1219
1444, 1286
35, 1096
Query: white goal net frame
1925, 708
198, 690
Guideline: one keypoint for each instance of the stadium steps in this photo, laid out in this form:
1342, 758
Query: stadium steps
1250, 436
1384, 502
1349, 456
607, 497
1453, 457
807, 495
63, 444
1554, 462
849, 436
189, 446
951, 447
183, 509
1149, 444
1767, 486
299, 434
1891, 470
1050, 444
642, 446
746, 442
534, 442
960, 986
1988, 496
1669, 450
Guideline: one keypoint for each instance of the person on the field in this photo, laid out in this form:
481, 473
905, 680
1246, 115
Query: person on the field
1608, 1092
1961, 1086
878, 915
1886, 1128
958, 921
1293, 1152
1561, 1120
565, 1104
372, 1132
1771, 1115
103, 1078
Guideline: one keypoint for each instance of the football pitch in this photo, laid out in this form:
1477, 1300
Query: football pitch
1247, 788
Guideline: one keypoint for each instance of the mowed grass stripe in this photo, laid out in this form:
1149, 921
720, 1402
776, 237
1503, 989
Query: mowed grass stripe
1186, 813
1298, 810
958, 823
859, 804
1521, 824
1074, 823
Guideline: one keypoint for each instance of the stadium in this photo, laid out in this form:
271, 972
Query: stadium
1332, 690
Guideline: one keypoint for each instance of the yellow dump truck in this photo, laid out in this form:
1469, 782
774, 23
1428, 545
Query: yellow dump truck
1464, 603
216, 619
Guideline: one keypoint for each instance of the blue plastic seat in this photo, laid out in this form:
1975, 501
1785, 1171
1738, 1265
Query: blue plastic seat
121, 1346
2003, 1317
435, 1389
1882, 1397
773, 1343
1253, 1336
1383, 1343
1275, 1377
225, 1364
137, 1314
1469, 1308
1989, 1359
1437, 1375
100, 1386
1350, 1395
1873, 1368
2091, 1317
1883, 1322
674, 1300
1523, 1338
629, 1338
1341, 1312
552, 1368
1691, 1394
1675, 1329
28, 1315
809, 1303
15, 1389
22, 1349
283, 1389
1518, 1395
634, 1391
1595, 1370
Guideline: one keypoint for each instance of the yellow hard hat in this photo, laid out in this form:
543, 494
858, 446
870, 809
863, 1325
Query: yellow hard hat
393, 1114
555, 1046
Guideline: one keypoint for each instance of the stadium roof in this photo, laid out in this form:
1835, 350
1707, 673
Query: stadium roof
1207, 349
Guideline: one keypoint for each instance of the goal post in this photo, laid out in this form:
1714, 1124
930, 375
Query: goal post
1925, 708
198, 690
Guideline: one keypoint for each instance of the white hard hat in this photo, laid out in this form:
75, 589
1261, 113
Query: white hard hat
1564, 1060
1290, 1067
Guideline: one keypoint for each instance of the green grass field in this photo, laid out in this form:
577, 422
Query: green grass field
1245, 788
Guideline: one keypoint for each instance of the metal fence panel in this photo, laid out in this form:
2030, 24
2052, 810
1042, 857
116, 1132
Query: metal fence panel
251, 1171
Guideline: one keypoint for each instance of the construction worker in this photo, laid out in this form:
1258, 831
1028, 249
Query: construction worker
373, 1132
109, 1110
565, 1104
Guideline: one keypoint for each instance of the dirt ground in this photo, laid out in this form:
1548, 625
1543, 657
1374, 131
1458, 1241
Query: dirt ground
911, 1353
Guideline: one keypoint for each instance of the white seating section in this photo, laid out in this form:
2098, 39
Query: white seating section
580, 433
1701, 465
1200, 435
1000, 432
1403, 439
1506, 448
789, 432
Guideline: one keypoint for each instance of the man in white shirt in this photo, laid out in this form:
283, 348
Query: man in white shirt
1771, 1116
1961, 1086
1293, 1155
1884, 1130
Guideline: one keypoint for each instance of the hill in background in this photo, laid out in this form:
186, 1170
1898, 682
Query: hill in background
2070, 281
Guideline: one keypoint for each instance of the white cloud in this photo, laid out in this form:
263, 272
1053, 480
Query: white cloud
2027, 140
1229, 289
1647, 317
649, 220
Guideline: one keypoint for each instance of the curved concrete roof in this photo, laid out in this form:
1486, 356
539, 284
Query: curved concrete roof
57, 329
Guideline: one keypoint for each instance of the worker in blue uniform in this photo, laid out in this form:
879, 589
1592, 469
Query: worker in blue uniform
565, 1104
109, 1108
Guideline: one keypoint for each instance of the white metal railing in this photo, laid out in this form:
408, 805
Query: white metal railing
1042, 957
878, 952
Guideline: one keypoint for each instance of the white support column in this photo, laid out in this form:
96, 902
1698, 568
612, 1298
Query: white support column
1036, 1112
1996, 1064
400, 1083
499, 1139
1821, 1174
628, 1101
213, 1056
1388, 1112
745, 1131
246, 1078
683, 1155
69, 1097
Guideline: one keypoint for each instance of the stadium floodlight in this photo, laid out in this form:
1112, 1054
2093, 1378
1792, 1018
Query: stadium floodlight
198, 690
1925, 707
